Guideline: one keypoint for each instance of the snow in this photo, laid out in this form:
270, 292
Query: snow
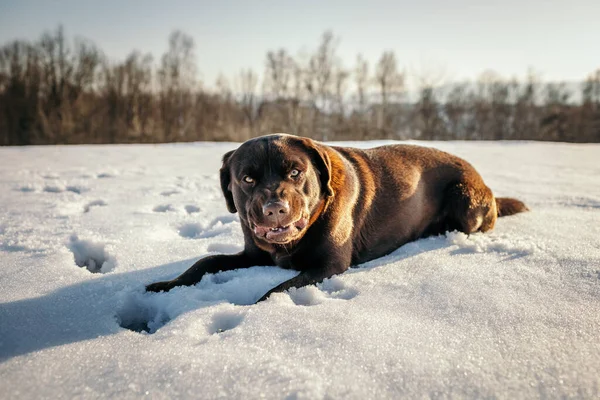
91, 255
514, 313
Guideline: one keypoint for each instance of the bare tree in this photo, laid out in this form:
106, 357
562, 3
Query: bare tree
526, 117
248, 82
391, 86
591, 88
361, 113
555, 123
319, 80
177, 80
55, 53
589, 118
20, 80
457, 111
282, 88
427, 115
139, 69
339, 99
59, 91
129, 99
278, 73
362, 81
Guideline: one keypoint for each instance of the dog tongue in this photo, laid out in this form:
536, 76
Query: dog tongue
261, 230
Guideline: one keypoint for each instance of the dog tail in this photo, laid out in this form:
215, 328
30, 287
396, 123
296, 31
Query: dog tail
509, 206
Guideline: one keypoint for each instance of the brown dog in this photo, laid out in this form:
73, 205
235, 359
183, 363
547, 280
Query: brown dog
318, 209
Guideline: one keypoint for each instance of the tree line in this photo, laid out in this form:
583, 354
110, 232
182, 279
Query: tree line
57, 91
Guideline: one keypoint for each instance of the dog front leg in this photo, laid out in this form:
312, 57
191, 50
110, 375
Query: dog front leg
208, 265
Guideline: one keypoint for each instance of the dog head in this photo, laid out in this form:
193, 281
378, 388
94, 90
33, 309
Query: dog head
278, 184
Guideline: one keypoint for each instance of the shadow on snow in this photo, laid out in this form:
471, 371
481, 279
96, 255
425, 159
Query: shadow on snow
105, 305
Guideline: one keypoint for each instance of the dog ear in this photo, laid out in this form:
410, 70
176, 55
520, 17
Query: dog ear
225, 173
323, 163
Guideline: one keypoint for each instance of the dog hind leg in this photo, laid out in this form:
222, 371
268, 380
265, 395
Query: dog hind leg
470, 207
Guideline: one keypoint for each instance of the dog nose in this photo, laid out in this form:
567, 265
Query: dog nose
276, 208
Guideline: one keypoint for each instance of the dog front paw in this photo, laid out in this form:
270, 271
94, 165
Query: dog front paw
160, 286
266, 295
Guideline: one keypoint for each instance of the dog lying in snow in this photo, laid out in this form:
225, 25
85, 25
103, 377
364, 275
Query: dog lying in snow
319, 209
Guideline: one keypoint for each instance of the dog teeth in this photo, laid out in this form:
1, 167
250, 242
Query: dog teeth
278, 229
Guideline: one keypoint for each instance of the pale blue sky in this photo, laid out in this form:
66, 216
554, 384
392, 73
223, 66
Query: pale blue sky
559, 39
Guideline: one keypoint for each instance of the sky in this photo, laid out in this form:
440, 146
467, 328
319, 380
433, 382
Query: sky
445, 40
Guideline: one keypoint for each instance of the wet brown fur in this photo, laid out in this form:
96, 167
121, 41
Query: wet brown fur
363, 204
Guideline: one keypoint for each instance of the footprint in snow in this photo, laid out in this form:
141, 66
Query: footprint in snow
198, 231
70, 188
53, 189
225, 321
91, 255
224, 219
190, 231
139, 314
142, 313
191, 209
26, 188
163, 208
77, 189
95, 203
336, 288
331, 289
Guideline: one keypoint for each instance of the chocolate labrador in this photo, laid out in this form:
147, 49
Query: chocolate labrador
319, 209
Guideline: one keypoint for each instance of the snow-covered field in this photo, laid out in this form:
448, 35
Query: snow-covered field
510, 314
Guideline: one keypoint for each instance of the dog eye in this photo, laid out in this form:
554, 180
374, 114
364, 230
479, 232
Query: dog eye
247, 179
294, 173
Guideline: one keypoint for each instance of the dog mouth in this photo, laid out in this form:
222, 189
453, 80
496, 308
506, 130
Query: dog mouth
281, 233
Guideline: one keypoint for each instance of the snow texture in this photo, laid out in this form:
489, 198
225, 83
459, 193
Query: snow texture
514, 313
